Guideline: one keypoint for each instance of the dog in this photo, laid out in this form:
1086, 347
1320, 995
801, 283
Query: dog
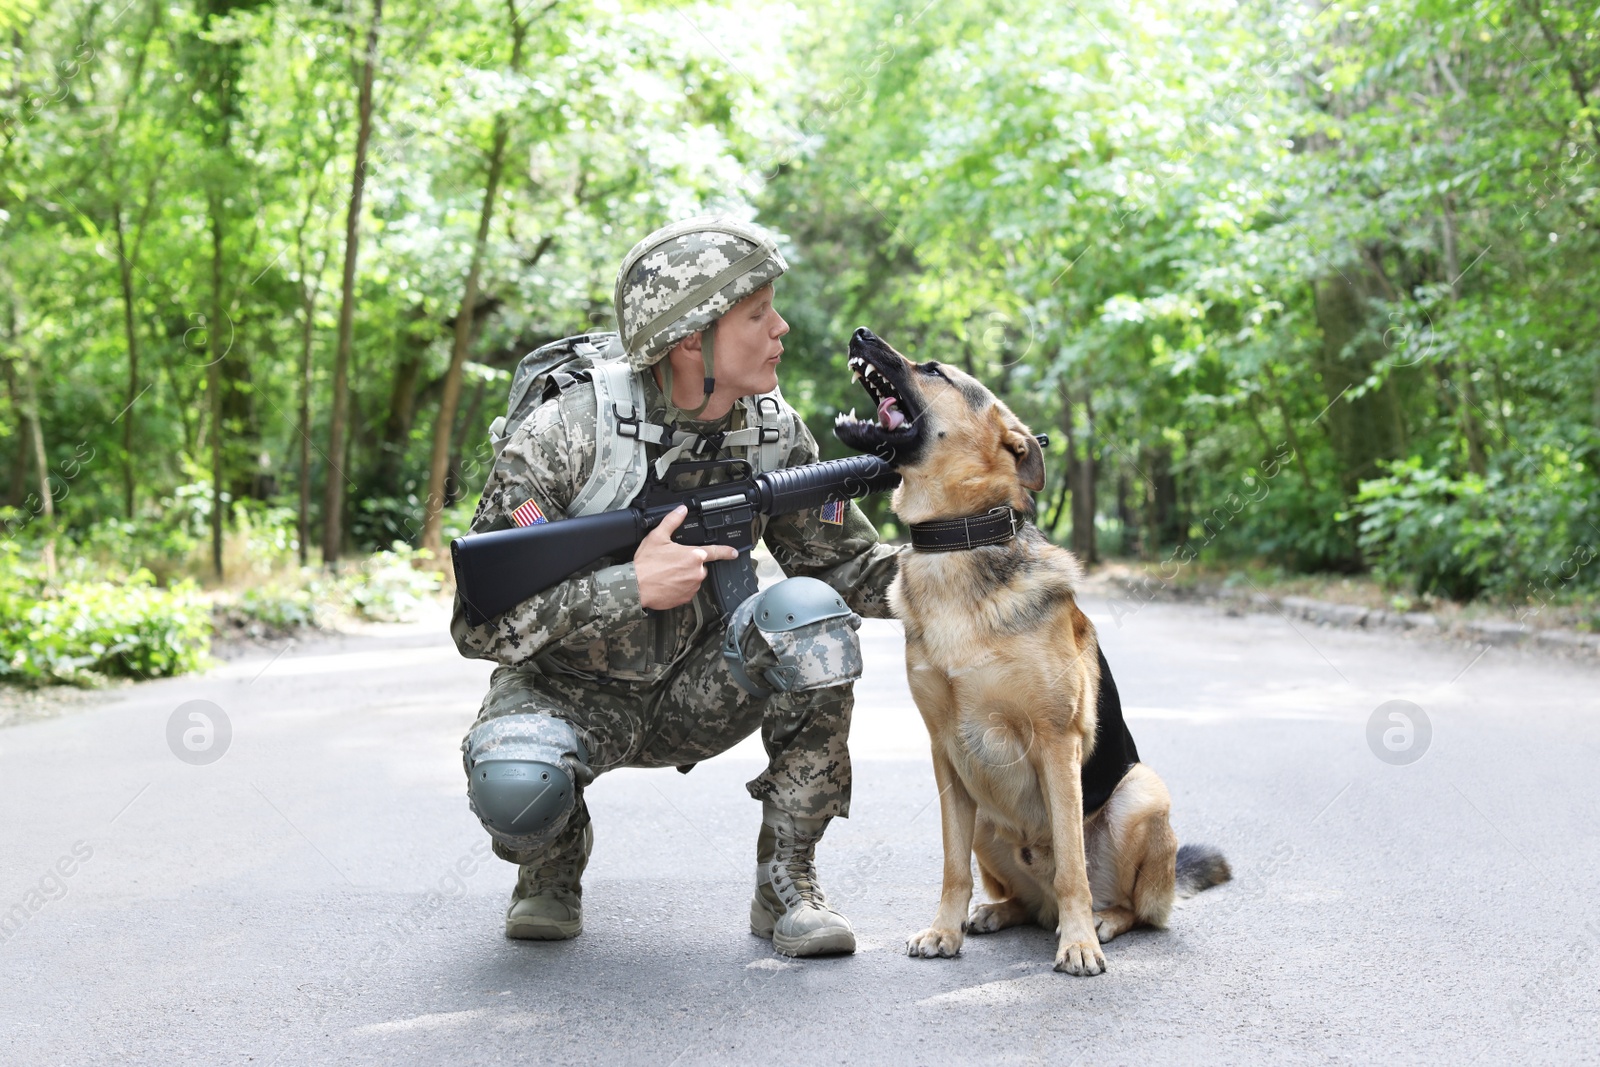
1037, 772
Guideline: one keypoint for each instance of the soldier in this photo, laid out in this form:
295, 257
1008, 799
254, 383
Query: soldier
630, 664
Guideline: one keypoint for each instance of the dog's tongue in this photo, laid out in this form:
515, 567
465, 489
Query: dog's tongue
889, 416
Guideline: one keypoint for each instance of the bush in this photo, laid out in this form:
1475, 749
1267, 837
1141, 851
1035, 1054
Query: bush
1423, 524
91, 623
385, 587
264, 539
82, 631
269, 610
1515, 533
383, 520
388, 587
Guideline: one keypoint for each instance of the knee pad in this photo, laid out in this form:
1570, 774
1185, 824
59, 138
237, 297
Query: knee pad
794, 636
524, 774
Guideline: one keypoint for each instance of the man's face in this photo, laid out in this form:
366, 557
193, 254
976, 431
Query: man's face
749, 346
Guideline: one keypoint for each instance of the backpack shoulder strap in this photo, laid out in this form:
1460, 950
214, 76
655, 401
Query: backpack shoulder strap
621, 432
768, 435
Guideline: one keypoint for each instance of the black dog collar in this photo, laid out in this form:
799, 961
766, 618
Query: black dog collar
996, 527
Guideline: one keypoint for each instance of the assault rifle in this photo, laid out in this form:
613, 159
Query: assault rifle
500, 569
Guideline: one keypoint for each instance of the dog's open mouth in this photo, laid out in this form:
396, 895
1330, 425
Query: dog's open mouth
881, 372
889, 416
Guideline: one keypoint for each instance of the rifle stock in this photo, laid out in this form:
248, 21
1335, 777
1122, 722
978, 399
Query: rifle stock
499, 569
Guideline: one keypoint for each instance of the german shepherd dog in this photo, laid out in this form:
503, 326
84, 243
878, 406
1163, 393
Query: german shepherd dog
1036, 770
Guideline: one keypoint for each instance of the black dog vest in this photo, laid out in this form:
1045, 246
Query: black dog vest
1114, 751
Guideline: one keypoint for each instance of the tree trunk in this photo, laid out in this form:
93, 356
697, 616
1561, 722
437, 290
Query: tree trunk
1069, 474
333, 497
1464, 404
387, 475
17, 480
310, 290
1360, 430
126, 278
1058, 507
1161, 509
216, 354
1290, 435
444, 429
454, 490
189, 418
1083, 493
307, 331
47, 506
1125, 516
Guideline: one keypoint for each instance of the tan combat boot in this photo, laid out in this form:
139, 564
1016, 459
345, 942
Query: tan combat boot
789, 905
547, 904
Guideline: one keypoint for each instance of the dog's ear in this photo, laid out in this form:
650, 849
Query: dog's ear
1030, 459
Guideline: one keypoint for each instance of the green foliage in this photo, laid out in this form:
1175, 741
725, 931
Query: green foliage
1181, 237
83, 630
1460, 536
173, 160
389, 586
268, 610
1438, 530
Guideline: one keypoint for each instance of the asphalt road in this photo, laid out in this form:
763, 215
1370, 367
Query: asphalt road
320, 894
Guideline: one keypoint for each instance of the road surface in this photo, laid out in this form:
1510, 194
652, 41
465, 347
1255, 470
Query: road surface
321, 895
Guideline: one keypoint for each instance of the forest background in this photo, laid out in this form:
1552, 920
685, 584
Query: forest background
1303, 286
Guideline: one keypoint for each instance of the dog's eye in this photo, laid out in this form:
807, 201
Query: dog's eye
933, 369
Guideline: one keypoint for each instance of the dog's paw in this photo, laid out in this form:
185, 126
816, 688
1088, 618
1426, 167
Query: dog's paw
1081, 958
1112, 922
934, 942
987, 918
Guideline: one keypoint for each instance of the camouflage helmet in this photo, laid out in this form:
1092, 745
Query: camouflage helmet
684, 277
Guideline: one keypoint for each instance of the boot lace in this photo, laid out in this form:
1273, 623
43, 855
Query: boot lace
794, 869
551, 877
557, 874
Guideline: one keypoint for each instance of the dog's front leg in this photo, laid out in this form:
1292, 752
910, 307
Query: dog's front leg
958, 815
1078, 946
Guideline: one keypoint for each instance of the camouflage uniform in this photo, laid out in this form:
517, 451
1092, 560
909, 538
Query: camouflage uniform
651, 689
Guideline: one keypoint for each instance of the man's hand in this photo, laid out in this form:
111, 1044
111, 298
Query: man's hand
669, 573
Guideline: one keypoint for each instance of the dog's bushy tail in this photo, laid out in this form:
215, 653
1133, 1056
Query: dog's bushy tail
1200, 867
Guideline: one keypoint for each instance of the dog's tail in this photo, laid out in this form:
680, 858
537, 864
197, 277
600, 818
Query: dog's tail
1200, 867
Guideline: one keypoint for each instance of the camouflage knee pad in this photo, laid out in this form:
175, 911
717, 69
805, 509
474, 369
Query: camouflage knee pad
795, 636
525, 773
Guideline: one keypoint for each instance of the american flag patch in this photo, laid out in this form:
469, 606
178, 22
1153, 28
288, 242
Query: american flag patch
528, 514
833, 512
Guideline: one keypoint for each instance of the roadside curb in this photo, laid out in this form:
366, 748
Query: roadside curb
1499, 632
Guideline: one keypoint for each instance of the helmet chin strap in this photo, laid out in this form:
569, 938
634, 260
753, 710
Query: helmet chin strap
707, 344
